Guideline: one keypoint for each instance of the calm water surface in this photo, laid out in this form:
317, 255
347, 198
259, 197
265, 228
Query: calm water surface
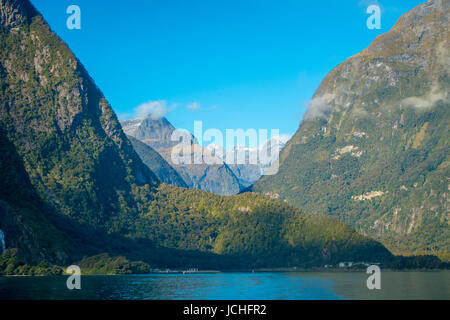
241, 286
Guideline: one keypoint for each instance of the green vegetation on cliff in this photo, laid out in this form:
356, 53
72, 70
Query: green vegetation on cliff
75, 191
157, 164
373, 147
258, 230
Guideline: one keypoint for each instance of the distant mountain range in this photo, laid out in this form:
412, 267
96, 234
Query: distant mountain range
256, 160
226, 176
157, 133
373, 147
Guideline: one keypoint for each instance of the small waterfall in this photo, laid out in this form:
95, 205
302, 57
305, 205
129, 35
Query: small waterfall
2, 242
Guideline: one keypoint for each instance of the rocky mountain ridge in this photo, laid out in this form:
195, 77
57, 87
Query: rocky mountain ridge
203, 170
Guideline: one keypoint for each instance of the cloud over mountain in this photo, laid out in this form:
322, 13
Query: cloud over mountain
156, 109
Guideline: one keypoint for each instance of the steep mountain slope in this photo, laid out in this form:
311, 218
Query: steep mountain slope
70, 140
21, 220
214, 176
157, 164
373, 147
247, 174
73, 186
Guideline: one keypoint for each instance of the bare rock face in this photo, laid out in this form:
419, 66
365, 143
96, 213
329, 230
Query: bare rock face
154, 132
372, 149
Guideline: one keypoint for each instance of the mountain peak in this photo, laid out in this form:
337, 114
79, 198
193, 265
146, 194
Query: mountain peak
416, 48
155, 132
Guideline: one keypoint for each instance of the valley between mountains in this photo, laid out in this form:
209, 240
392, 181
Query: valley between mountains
365, 176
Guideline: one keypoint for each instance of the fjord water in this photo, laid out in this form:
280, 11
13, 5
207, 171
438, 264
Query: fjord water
261, 286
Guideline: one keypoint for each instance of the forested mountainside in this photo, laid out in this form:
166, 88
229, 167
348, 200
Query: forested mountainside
373, 147
73, 189
157, 164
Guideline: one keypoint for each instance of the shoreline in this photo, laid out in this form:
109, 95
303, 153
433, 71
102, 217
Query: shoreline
212, 272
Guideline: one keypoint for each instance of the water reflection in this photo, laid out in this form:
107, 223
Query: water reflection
242, 286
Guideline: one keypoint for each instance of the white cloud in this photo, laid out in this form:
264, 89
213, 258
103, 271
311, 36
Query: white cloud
193, 106
319, 107
156, 109
428, 100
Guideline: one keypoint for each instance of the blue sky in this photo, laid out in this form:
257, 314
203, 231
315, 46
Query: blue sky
230, 63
